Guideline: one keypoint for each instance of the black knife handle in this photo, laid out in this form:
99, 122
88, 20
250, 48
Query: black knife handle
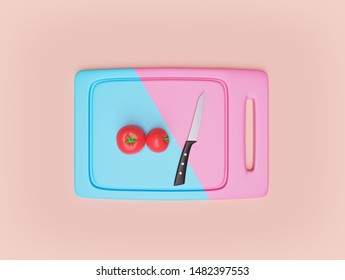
182, 165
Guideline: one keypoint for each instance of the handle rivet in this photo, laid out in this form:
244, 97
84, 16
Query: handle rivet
185, 154
182, 163
180, 173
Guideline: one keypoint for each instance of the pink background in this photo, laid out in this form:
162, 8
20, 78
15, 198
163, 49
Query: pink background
300, 44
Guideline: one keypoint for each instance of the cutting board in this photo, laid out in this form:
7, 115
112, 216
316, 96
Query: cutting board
107, 100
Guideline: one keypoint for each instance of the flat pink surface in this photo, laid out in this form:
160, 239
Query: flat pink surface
176, 98
300, 44
219, 165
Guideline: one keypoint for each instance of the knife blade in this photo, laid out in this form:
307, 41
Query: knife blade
192, 138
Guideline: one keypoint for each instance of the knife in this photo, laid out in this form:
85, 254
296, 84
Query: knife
192, 138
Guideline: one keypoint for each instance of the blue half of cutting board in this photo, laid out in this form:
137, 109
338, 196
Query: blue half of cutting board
105, 101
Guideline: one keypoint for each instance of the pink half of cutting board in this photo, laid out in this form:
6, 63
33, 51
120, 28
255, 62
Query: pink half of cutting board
225, 144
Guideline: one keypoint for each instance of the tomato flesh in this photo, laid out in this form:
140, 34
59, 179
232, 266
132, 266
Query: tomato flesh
157, 140
130, 139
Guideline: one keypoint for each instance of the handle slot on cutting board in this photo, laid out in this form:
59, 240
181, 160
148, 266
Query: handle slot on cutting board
250, 134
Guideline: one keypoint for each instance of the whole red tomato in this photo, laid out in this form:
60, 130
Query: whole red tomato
130, 139
157, 140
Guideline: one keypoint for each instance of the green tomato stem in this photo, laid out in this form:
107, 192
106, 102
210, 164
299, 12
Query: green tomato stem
131, 140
